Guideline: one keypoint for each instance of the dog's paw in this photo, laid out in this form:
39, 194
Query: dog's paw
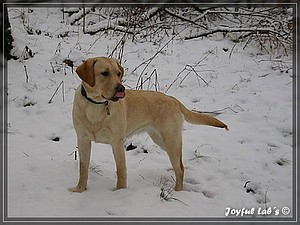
77, 189
118, 187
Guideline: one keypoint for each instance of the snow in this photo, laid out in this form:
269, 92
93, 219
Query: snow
253, 94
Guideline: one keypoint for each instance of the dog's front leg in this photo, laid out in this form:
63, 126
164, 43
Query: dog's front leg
84, 148
119, 155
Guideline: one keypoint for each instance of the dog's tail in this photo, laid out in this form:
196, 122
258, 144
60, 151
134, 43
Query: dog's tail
200, 118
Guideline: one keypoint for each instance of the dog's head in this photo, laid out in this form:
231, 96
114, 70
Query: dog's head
103, 77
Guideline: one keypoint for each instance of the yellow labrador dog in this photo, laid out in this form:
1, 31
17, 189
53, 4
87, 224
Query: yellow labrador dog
102, 113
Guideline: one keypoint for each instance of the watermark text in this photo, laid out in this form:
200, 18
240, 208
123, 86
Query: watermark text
270, 211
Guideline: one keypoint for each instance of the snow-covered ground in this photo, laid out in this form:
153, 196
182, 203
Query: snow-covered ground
248, 167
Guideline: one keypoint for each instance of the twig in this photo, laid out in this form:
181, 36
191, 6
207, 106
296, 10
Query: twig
58, 49
273, 60
142, 82
91, 45
266, 197
232, 50
216, 112
69, 63
193, 69
53, 71
264, 75
83, 20
121, 42
178, 75
95, 169
245, 185
198, 155
142, 176
153, 57
248, 41
75, 154
237, 106
167, 195
26, 54
156, 85
63, 89
26, 74
141, 160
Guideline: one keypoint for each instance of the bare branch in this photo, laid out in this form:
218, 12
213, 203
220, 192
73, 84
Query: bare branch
253, 30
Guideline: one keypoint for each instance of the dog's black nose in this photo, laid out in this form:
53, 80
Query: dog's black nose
120, 88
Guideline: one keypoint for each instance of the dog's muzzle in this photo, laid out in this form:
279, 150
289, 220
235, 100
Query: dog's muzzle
119, 93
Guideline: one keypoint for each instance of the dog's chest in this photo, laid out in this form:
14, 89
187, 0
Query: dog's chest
95, 115
97, 131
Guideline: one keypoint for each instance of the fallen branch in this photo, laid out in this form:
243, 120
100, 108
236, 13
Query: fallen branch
96, 29
225, 30
252, 14
184, 18
118, 25
77, 16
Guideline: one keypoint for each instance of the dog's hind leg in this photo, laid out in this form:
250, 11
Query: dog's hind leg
157, 138
171, 142
174, 150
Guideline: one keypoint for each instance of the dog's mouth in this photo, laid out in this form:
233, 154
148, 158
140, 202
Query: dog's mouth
118, 95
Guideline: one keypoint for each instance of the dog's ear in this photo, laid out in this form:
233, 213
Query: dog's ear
86, 71
120, 67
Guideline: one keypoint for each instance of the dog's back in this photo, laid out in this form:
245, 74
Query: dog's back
153, 106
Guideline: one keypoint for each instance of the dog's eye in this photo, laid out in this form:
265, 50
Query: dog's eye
119, 74
105, 73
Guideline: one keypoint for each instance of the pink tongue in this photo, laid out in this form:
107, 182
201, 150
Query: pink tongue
120, 94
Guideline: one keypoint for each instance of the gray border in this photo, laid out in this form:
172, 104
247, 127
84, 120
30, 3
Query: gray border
4, 114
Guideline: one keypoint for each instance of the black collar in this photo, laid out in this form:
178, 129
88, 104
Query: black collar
83, 92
